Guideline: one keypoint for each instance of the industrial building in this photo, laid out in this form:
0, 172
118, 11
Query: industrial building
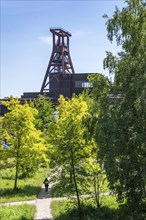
60, 77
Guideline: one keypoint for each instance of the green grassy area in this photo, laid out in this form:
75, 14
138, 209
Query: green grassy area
63, 187
28, 188
21, 212
67, 210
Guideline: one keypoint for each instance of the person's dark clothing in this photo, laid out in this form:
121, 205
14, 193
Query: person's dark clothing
46, 183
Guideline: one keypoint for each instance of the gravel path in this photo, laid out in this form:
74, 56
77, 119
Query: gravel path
43, 206
30, 202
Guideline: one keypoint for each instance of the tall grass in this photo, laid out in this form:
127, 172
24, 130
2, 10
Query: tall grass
21, 212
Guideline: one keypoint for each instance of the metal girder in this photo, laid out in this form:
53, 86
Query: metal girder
60, 62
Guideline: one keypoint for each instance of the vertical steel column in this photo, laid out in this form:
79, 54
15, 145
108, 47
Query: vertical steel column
60, 62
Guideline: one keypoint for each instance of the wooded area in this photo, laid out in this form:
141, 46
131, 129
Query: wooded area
91, 136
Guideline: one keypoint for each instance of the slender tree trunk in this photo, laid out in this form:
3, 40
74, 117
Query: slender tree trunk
96, 191
17, 164
16, 173
70, 174
75, 181
144, 178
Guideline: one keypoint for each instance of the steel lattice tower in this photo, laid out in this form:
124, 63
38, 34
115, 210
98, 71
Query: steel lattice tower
60, 63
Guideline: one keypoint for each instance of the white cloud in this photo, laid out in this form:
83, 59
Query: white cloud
46, 40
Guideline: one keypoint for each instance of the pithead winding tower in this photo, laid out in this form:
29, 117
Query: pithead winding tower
60, 77
60, 64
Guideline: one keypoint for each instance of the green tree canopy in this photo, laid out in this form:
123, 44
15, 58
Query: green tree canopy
26, 146
45, 112
121, 129
70, 146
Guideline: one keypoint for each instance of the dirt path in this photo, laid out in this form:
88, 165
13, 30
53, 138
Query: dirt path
43, 206
31, 202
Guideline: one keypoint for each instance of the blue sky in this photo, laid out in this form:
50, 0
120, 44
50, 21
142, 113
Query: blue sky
26, 42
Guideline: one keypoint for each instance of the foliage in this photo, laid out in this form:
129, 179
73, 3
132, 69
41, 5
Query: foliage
61, 188
26, 148
21, 212
70, 146
94, 174
45, 112
67, 209
121, 127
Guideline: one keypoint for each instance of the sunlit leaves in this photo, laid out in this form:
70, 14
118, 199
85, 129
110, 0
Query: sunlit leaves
26, 146
45, 112
68, 136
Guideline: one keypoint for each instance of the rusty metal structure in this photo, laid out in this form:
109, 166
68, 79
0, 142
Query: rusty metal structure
60, 77
60, 65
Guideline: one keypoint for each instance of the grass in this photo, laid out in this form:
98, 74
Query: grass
67, 210
28, 188
63, 187
21, 212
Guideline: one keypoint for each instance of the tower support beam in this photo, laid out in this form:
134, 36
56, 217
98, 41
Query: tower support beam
60, 63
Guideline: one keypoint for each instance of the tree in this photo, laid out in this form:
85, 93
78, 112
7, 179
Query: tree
45, 112
121, 126
70, 145
93, 165
26, 149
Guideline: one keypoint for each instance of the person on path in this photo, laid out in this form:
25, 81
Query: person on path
46, 183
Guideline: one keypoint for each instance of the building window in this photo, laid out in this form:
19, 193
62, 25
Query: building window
86, 84
80, 84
